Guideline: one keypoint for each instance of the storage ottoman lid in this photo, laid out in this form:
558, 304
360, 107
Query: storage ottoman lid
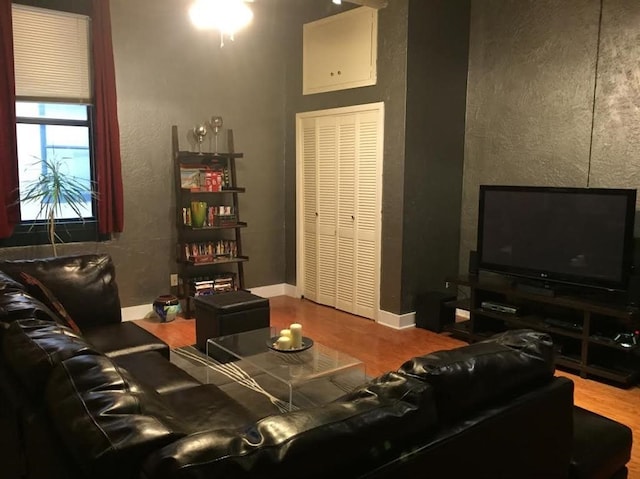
232, 301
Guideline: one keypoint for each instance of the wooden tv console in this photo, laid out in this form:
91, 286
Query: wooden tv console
584, 330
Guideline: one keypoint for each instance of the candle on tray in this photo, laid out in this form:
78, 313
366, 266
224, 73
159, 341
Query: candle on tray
284, 342
285, 332
296, 335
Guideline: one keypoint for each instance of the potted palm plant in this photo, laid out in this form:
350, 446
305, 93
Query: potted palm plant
53, 189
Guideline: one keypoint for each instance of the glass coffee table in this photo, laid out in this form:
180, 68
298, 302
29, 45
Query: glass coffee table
311, 377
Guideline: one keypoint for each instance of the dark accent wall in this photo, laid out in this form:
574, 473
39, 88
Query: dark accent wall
438, 50
535, 67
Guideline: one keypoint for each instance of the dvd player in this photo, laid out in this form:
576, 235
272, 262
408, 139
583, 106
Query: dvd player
499, 307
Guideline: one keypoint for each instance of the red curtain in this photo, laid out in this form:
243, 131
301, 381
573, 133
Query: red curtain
9, 209
107, 136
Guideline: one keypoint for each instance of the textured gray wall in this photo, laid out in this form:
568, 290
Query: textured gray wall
169, 73
529, 98
530, 101
615, 159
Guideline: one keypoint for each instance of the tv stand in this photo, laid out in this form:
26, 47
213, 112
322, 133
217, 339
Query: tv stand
584, 329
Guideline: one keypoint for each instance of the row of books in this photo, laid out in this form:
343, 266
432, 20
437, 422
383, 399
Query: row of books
208, 251
204, 179
218, 283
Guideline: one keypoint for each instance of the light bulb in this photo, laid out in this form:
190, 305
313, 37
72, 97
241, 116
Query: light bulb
227, 16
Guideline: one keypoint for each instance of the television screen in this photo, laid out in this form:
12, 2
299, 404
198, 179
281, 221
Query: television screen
581, 236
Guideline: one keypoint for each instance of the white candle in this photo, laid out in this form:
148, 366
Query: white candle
296, 335
285, 332
284, 342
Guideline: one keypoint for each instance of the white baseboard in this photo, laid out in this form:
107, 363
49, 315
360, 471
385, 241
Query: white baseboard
282, 289
385, 318
137, 312
141, 311
397, 321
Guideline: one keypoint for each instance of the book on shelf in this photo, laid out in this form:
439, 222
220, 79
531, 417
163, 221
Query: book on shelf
219, 283
205, 178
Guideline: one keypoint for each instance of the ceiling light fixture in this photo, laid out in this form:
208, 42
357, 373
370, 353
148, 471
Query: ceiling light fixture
337, 2
226, 16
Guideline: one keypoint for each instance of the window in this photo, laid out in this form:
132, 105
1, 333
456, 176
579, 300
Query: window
58, 132
53, 114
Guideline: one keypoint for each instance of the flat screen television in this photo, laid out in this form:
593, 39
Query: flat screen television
573, 236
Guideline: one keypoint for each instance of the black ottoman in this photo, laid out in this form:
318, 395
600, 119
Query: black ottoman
601, 447
229, 313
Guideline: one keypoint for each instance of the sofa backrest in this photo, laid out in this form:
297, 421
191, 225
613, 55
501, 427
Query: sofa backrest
85, 285
471, 377
350, 435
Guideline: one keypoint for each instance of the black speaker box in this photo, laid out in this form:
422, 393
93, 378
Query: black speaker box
473, 262
431, 313
633, 290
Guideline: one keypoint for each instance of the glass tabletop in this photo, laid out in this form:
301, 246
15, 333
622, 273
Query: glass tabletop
316, 375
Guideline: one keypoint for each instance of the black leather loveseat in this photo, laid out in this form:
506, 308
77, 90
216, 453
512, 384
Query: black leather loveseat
85, 395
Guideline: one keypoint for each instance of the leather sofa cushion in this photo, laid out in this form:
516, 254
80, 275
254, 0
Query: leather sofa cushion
106, 419
474, 376
155, 371
79, 282
207, 407
601, 458
33, 347
124, 338
351, 434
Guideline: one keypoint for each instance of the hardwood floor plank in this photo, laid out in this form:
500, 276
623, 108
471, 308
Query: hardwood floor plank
383, 349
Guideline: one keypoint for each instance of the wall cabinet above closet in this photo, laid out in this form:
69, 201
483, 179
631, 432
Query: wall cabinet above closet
340, 51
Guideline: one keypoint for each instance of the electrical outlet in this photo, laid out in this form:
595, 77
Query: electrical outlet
173, 279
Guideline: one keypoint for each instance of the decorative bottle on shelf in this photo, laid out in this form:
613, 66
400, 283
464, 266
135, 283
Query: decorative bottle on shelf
198, 213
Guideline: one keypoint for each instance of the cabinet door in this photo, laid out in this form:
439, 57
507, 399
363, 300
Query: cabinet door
340, 51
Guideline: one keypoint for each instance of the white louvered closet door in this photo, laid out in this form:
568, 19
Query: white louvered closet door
309, 147
368, 193
340, 156
326, 203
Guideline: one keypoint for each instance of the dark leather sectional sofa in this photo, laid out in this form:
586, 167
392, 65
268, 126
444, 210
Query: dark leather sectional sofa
85, 395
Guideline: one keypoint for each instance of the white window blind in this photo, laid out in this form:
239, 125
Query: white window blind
51, 52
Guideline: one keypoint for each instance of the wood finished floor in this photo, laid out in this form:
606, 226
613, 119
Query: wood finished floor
383, 349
